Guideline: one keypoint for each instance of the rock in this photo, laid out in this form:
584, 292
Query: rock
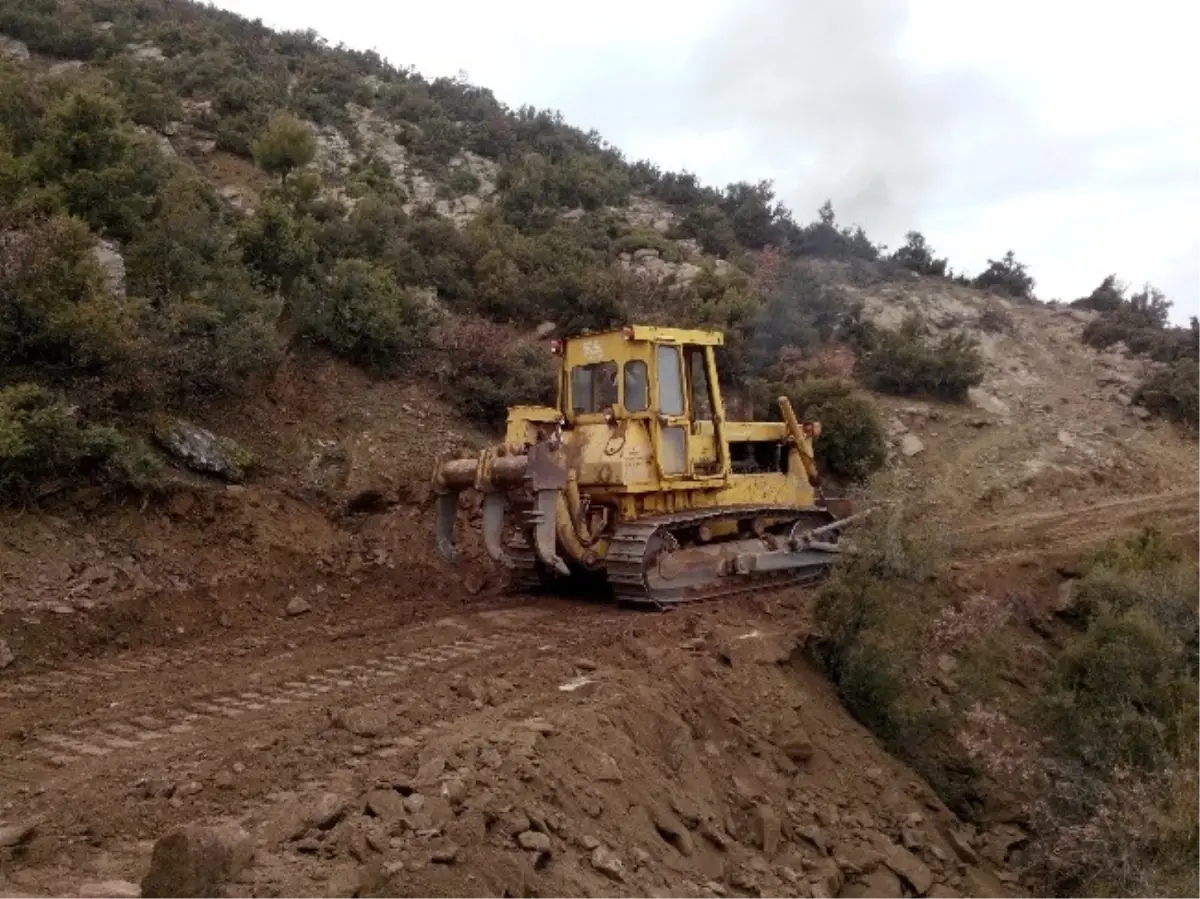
895, 427
826, 878
430, 771
767, 829
361, 721
107, 254
16, 834
910, 868
645, 253
602, 767
607, 863
981, 399
962, 848
197, 860
385, 804
814, 835
1000, 841
749, 646
941, 891
345, 881
203, 451
1066, 597
545, 329
880, 883
534, 841
1066, 438
111, 889
6, 655
297, 605
445, 855
11, 48
797, 746
300, 815
673, 831
911, 445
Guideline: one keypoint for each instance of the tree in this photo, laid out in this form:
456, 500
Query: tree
916, 255
1006, 276
287, 144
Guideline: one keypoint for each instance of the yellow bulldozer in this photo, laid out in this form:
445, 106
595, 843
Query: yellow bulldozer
638, 479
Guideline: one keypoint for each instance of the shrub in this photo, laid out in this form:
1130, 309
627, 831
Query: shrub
872, 640
852, 445
41, 437
1172, 393
1006, 276
366, 317
1108, 297
917, 256
286, 145
54, 311
801, 310
1142, 323
482, 385
1116, 810
908, 362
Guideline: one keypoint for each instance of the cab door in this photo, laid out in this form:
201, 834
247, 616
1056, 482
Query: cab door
703, 448
687, 432
672, 411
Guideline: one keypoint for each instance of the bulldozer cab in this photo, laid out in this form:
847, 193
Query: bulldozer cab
661, 379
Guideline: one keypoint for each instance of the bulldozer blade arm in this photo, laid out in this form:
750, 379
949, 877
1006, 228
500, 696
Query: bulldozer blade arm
494, 506
544, 531
447, 513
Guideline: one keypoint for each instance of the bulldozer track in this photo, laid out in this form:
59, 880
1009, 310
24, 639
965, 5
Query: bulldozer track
625, 563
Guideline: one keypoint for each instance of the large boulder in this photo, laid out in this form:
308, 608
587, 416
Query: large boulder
203, 451
197, 860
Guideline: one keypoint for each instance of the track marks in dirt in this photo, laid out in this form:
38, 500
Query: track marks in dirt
68, 747
149, 727
1062, 530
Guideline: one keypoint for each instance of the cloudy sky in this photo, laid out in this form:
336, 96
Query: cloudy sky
1043, 126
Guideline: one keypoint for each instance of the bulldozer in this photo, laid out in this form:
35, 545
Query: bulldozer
637, 479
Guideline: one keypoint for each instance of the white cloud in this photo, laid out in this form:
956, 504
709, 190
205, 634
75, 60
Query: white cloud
1063, 130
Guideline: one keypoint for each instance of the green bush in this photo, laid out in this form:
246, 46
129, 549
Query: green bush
873, 621
42, 437
286, 145
853, 444
917, 256
54, 311
908, 362
483, 385
1171, 392
365, 316
1007, 276
1118, 712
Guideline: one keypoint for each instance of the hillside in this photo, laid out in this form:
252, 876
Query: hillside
252, 286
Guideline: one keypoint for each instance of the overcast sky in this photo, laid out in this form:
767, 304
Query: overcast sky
1061, 130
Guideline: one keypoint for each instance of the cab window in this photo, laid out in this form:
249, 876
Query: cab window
670, 381
698, 382
637, 392
593, 387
